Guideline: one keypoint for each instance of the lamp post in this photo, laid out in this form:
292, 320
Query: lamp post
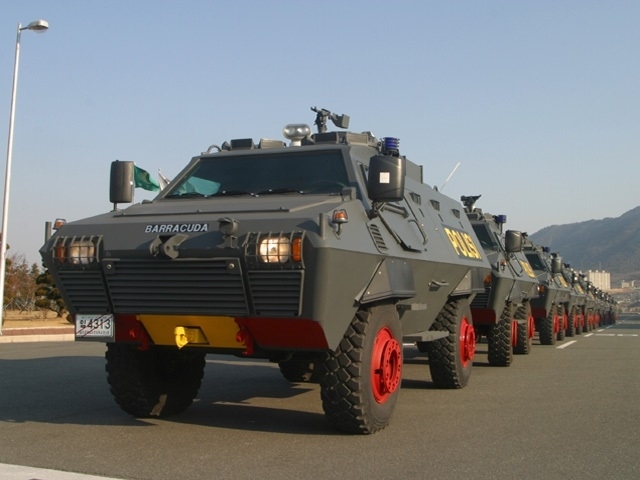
37, 26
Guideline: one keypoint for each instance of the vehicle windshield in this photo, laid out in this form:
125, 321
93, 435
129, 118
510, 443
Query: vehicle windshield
318, 172
485, 236
535, 261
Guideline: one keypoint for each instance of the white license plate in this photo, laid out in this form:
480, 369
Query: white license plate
94, 326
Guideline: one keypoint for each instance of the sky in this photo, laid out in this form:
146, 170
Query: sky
539, 101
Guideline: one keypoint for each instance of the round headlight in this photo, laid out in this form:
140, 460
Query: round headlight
81, 252
275, 249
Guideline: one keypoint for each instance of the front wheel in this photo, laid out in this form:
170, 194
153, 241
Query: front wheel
157, 382
360, 381
451, 357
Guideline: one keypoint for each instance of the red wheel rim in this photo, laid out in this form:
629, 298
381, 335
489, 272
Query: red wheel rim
531, 326
514, 333
386, 365
556, 324
467, 342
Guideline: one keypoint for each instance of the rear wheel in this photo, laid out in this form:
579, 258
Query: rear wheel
360, 381
157, 382
451, 358
526, 328
500, 337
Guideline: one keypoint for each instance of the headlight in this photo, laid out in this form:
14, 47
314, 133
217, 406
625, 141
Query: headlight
275, 249
75, 251
280, 249
81, 253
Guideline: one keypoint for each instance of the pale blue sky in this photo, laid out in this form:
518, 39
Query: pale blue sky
538, 100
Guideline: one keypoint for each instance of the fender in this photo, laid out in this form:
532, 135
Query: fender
392, 279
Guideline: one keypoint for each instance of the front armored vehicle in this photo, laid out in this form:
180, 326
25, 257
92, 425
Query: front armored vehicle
323, 255
503, 311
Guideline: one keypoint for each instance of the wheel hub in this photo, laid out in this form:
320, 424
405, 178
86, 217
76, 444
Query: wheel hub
386, 365
467, 342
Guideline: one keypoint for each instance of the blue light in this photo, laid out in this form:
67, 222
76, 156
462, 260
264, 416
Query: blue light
501, 218
390, 144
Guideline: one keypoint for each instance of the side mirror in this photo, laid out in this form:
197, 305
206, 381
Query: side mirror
385, 182
556, 265
121, 182
513, 241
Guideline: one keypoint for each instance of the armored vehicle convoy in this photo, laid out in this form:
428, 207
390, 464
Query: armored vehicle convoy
502, 312
321, 255
550, 308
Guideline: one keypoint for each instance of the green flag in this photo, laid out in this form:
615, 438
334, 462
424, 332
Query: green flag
142, 179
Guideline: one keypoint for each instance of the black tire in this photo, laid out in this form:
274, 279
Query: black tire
571, 323
451, 358
562, 316
547, 326
580, 318
499, 337
299, 368
157, 382
360, 381
524, 340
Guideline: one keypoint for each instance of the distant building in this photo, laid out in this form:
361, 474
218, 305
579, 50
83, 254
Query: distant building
600, 279
628, 284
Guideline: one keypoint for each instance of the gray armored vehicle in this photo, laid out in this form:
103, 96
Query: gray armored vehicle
503, 311
322, 256
590, 308
578, 301
550, 309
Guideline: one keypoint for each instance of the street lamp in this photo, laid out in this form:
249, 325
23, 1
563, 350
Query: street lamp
38, 26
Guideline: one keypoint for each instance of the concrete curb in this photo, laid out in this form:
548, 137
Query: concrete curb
37, 334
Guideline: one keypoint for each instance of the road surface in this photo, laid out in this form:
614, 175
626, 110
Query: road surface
569, 411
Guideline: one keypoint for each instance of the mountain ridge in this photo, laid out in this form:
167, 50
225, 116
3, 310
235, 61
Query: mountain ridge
611, 244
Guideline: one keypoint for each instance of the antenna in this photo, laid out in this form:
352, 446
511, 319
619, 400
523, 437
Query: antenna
450, 175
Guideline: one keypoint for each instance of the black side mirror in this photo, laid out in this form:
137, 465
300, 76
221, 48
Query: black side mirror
121, 182
513, 241
385, 182
556, 265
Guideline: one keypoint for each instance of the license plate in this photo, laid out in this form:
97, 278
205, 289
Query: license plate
94, 326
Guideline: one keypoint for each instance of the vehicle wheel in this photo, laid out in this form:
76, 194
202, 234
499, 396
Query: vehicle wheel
360, 381
579, 321
562, 316
499, 337
451, 358
525, 330
547, 330
157, 382
299, 368
571, 322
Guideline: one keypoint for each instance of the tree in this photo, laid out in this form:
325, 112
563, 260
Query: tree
47, 295
20, 287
